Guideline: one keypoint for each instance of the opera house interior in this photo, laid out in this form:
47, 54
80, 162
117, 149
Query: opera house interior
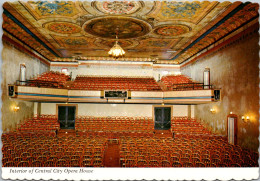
130, 84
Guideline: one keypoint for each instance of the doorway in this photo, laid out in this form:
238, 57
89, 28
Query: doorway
66, 117
232, 128
162, 118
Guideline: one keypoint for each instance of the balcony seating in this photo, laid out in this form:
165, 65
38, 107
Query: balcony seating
115, 83
49, 79
180, 82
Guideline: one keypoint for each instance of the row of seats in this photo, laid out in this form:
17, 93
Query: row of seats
115, 83
185, 125
59, 80
39, 123
202, 151
180, 82
50, 79
38, 150
179, 125
114, 124
42, 150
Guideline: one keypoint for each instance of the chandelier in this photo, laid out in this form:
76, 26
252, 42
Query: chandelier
116, 51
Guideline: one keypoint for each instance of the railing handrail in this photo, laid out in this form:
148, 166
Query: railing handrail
189, 85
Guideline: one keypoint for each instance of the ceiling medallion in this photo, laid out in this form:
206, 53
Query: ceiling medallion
105, 27
63, 27
118, 7
172, 30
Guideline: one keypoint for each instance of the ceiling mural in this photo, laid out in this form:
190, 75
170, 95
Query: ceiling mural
124, 27
157, 44
172, 30
45, 9
73, 42
118, 7
63, 8
106, 43
63, 27
185, 11
168, 31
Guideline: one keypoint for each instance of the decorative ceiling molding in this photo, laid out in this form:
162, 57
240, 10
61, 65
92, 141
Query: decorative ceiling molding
236, 18
19, 45
170, 32
238, 34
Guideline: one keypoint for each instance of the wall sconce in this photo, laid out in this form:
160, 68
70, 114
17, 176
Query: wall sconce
16, 108
231, 112
213, 111
245, 119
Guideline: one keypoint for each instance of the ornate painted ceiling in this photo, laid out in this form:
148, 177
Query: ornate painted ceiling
166, 31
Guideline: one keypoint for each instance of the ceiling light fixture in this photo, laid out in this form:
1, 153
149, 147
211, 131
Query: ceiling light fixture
116, 51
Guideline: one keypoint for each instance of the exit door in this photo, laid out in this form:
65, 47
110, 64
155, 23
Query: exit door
66, 116
162, 118
232, 129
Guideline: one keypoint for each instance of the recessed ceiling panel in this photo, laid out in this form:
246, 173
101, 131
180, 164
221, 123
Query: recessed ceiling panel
62, 27
118, 7
107, 43
123, 27
172, 30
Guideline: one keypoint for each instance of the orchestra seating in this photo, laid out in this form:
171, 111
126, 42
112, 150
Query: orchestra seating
195, 148
185, 126
40, 150
203, 151
43, 123
114, 124
180, 82
50, 79
115, 83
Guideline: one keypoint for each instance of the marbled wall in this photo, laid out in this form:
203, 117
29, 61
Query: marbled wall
235, 71
11, 60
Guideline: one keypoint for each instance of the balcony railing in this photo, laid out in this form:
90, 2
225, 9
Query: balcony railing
189, 86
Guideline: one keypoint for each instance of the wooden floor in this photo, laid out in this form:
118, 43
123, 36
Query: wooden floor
111, 157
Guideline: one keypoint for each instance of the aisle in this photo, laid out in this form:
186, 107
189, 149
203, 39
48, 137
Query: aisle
111, 157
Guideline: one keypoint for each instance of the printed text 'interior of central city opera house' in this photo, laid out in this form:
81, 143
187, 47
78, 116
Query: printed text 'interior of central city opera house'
130, 84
